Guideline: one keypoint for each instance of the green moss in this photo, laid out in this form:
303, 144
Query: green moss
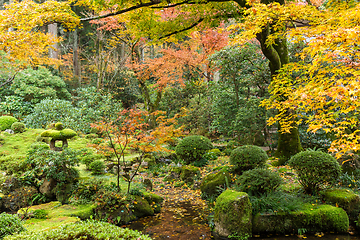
313, 218
141, 207
59, 126
84, 230
40, 225
189, 173
154, 201
288, 145
6, 122
210, 184
152, 197
344, 198
233, 214
59, 135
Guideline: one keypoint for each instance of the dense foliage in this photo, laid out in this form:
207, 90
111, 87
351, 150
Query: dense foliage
192, 148
258, 181
247, 157
6, 122
10, 224
18, 127
315, 170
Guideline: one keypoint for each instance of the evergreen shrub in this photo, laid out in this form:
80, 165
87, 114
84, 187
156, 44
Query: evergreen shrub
18, 127
315, 169
97, 167
247, 157
258, 181
192, 148
10, 224
6, 122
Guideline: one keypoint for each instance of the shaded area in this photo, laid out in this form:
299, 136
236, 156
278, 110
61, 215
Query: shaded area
177, 220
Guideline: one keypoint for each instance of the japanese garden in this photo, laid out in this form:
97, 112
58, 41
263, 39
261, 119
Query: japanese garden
179, 119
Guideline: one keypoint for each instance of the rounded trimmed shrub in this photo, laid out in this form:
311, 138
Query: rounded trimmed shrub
315, 169
259, 181
247, 157
192, 148
18, 127
6, 122
97, 167
10, 224
83, 230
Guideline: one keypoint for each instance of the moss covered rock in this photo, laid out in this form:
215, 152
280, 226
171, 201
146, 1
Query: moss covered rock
313, 218
189, 173
141, 207
154, 201
210, 183
233, 215
344, 198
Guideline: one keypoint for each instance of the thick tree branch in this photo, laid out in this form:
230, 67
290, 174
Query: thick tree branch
149, 4
9, 80
184, 29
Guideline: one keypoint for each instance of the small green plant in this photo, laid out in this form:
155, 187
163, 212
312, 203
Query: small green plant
86, 191
40, 214
192, 148
6, 122
258, 181
10, 224
315, 170
18, 127
97, 167
302, 231
247, 157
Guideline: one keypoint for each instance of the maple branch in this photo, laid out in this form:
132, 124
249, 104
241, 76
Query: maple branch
9, 80
184, 29
151, 3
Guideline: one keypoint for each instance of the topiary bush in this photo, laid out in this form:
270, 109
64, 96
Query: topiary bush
247, 157
192, 148
83, 230
258, 181
10, 224
18, 127
6, 122
97, 167
315, 169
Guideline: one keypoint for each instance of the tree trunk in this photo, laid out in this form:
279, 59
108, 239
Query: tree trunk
76, 60
288, 143
54, 49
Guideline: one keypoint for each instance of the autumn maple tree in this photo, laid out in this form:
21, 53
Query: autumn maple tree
183, 16
324, 91
130, 130
21, 41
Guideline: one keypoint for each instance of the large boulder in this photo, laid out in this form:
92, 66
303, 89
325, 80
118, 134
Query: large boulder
47, 188
233, 214
141, 207
154, 201
211, 183
312, 217
344, 198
